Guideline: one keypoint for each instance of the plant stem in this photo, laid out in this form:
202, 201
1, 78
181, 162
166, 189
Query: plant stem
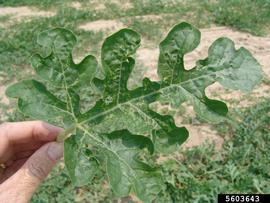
65, 134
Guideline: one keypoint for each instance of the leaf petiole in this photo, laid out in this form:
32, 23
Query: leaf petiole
66, 133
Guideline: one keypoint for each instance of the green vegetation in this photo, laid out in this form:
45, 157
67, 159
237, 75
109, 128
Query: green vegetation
17, 42
201, 172
242, 165
42, 3
121, 123
248, 15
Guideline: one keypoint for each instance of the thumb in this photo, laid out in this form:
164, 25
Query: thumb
26, 180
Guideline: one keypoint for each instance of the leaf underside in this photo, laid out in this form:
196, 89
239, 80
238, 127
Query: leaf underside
121, 127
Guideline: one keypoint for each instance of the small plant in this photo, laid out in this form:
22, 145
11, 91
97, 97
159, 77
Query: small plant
119, 131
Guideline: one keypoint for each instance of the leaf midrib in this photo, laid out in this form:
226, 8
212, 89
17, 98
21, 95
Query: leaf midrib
113, 152
150, 94
68, 98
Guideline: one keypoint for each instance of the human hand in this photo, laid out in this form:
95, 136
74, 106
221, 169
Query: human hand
27, 154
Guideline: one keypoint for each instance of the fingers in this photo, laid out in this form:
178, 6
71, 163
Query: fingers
34, 145
24, 154
24, 132
42, 161
11, 169
25, 181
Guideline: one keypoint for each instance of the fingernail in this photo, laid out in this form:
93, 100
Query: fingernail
55, 151
53, 130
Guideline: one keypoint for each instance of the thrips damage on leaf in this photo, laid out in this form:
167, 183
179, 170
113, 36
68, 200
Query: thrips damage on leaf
121, 126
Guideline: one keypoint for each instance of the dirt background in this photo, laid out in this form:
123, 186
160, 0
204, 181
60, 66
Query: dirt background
148, 56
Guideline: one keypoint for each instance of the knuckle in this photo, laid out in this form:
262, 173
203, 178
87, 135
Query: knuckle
4, 128
37, 170
40, 122
5, 125
37, 129
28, 180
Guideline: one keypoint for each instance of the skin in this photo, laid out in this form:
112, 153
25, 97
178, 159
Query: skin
28, 152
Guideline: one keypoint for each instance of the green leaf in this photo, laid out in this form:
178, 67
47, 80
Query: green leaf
33, 96
234, 69
120, 126
117, 63
126, 172
80, 161
182, 39
167, 139
58, 69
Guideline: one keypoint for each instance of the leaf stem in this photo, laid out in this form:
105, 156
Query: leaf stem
66, 133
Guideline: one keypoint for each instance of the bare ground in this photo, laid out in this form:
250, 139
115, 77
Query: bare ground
23, 13
103, 25
3, 98
101, 5
110, 26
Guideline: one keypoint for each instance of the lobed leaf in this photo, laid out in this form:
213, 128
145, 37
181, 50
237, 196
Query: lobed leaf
117, 131
82, 164
124, 169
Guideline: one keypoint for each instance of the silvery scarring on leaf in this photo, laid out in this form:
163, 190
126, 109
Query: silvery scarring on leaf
120, 128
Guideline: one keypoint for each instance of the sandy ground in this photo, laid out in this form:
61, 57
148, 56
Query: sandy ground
101, 5
3, 98
103, 25
259, 47
111, 26
22, 13
18, 12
